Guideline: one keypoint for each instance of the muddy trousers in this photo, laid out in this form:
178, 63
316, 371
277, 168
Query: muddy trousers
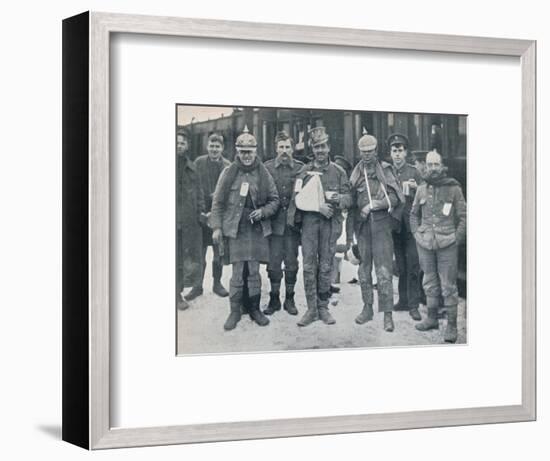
254, 281
375, 243
440, 273
319, 236
283, 249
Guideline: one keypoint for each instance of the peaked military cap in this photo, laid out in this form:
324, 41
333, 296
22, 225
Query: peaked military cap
397, 138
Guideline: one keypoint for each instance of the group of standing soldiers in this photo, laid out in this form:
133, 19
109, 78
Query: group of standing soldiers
254, 213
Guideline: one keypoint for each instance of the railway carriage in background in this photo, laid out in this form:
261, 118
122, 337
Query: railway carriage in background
446, 133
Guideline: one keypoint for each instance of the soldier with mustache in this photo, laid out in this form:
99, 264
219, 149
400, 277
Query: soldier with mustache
285, 239
321, 226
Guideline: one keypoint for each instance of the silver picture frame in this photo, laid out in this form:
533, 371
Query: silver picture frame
86, 229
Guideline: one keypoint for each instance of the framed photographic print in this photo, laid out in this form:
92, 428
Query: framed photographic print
275, 230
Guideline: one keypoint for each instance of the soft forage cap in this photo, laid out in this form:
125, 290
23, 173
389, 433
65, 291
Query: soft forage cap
318, 135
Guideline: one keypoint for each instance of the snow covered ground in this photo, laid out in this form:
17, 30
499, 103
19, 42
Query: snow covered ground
200, 328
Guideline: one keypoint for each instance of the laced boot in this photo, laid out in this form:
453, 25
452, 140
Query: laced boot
274, 304
325, 316
289, 305
255, 312
415, 315
324, 313
309, 317
194, 293
451, 332
430, 322
234, 315
219, 289
366, 315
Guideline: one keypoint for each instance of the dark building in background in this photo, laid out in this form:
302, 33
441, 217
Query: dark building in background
446, 133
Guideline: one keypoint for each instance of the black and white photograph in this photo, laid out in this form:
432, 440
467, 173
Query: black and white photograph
307, 228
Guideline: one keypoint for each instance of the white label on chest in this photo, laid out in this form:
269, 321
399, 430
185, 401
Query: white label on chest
447, 208
298, 185
244, 189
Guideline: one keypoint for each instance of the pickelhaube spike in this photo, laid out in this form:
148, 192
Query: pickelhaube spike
367, 141
246, 140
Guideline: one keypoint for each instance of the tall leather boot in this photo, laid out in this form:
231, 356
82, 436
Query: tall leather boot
290, 281
219, 289
235, 314
366, 315
430, 322
255, 312
217, 286
290, 305
274, 304
451, 332
245, 307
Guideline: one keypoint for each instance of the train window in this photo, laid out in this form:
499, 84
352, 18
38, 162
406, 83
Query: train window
417, 124
391, 121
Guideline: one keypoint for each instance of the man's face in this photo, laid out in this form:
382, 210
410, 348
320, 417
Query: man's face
368, 154
398, 154
284, 151
214, 149
434, 167
321, 151
181, 145
247, 156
